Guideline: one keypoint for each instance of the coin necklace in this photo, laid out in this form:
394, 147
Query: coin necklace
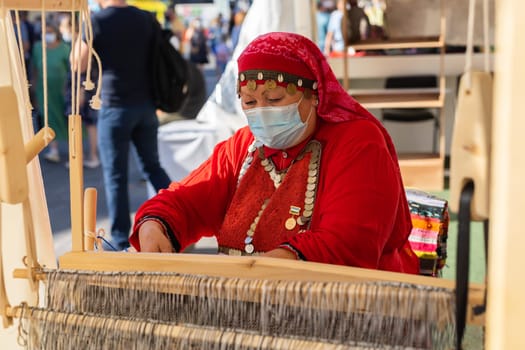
247, 161
311, 189
269, 167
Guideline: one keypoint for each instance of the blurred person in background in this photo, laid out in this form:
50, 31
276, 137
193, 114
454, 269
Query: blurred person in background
216, 31
238, 19
176, 26
334, 40
89, 115
324, 9
123, 37
27, 36
57, 60
198, 43
358, 24
223, 53
375, 10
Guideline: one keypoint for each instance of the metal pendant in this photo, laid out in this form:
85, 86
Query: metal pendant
290, 223
249, 248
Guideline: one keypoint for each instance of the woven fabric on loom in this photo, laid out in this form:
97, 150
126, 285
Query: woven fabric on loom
428, 239
149, 310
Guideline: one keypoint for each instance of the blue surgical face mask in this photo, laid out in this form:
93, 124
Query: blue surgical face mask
51, 38
278, 127
67, 37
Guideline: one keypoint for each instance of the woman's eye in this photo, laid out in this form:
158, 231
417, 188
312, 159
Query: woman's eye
274, 100
249, 103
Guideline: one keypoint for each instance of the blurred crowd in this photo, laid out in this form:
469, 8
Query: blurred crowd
50, 101
365, 20
200, 42
204, 43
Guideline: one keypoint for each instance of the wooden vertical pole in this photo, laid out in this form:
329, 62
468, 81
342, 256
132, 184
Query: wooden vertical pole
90, 217
346, 78
76, 182
506, 280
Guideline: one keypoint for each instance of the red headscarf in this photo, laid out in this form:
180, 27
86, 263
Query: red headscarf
295, 54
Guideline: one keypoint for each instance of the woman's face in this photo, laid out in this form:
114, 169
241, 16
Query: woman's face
263, 97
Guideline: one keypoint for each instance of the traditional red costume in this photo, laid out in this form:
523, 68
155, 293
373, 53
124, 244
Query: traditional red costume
335, 198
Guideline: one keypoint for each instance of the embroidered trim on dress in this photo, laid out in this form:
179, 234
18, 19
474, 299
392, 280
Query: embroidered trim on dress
314, 147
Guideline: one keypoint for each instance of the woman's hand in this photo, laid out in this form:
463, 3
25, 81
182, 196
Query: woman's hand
280, 253
153, 239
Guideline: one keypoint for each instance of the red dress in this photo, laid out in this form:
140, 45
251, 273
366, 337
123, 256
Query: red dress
359, 217
357, 214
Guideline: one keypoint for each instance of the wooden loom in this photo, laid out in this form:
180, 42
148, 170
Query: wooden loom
278, 288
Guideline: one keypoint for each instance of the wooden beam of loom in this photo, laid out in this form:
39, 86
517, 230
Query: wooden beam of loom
189, 334
253, 268
46, 5
14, 181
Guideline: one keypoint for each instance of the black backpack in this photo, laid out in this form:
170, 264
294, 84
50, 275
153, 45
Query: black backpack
169, 73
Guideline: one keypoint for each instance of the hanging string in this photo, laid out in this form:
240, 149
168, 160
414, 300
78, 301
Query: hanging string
95, 102
486, 42
22, 56
27, 100
22, 338
73, 57
74, 65
43, 26
88, 84
76, 55
81, 28
99, 237
47, 135
77, 89
470, 40
19, 38
83, 31
2, 12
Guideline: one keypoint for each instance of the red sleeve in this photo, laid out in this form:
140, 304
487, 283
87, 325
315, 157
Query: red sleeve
360, 217
195, 207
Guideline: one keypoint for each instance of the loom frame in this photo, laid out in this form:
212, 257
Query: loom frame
256, 268
83, 207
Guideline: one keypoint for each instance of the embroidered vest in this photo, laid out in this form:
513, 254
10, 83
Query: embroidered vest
269, 207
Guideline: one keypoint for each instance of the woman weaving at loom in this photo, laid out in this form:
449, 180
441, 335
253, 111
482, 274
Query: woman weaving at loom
314, 176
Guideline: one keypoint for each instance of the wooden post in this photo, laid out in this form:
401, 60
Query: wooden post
90, 217
76, 181
506, 282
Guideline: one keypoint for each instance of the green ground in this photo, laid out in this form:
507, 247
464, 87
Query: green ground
473, 339
477, 247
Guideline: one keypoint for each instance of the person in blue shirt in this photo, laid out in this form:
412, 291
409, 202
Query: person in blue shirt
334, 41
